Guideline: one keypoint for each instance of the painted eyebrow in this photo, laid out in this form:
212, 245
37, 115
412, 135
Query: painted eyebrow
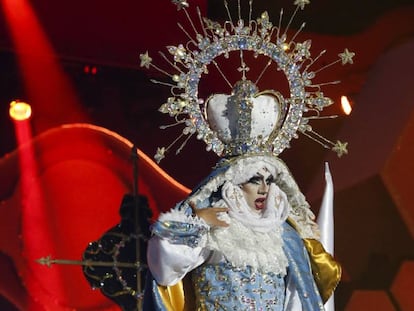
258, 175
255, 177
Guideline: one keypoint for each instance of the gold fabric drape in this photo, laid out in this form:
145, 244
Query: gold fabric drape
326, 271
179, 297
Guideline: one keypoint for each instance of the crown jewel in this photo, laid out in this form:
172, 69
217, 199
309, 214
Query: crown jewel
247, 120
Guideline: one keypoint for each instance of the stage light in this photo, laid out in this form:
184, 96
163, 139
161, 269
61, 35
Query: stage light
346, 106
40, 67
20, 111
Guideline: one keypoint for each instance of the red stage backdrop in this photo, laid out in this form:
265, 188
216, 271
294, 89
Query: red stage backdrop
82, 173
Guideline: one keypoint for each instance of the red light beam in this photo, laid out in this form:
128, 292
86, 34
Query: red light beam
49, 89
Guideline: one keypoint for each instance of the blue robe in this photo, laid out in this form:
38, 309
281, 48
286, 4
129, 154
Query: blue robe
299, 270
312, 273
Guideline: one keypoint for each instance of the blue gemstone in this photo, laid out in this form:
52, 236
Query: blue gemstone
242, 43
245, 147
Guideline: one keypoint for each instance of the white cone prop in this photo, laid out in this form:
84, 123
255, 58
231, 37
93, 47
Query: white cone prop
326, 224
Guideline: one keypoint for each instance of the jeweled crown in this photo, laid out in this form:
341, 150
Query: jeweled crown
246, 120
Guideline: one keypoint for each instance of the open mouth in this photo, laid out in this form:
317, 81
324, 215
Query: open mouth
259, 203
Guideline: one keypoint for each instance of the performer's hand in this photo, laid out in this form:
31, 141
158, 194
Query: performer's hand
210, 215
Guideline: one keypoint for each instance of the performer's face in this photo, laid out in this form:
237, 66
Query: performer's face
255, 190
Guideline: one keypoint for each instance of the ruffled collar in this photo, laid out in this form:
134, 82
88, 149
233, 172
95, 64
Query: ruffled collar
252, 239
242, 246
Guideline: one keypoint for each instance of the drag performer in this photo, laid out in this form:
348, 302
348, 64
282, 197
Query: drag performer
245, 238
239, 239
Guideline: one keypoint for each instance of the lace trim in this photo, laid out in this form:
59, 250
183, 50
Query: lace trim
241, 246
179, 228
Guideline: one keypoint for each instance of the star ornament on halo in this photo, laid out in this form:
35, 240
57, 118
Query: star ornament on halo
207, 41
301, 3
145, 60
181, 4
160, 154
346, 57
340, 148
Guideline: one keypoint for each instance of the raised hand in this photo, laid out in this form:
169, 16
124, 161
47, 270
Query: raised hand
210, 215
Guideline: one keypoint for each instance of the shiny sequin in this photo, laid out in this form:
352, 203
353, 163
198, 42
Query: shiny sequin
224, 287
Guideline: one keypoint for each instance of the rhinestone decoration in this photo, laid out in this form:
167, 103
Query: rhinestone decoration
190, 62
